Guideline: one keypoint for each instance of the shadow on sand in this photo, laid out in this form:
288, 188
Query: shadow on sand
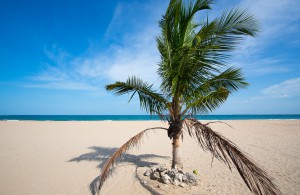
102, 154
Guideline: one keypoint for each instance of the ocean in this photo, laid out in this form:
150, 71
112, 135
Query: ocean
145, 117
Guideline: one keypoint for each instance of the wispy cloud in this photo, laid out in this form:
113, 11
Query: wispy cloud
138, 56
65, 85
116, 21
134, 53
132, 49
288, 88
279, 21
262, 66
276, 19
59, 78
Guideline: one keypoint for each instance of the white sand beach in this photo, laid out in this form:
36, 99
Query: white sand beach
64, 157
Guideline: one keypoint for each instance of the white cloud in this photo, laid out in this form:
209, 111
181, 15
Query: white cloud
116, 21
137, 56
65, 85
93, 67
55, 78
276, 18
139, 59
279, 25
288, 88
265, 70
270, 10
262, 66
52, 74
134, 53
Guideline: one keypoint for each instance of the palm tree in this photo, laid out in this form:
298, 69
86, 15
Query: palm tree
195, 79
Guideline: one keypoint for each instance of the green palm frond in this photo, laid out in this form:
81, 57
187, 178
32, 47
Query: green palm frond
256, 179
232, 79
224, 33
237, 22
188, 56
150, 100
207, 103
177, 34
214, 91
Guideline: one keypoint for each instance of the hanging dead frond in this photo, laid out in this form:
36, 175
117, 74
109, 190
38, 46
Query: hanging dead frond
132, 142
219, 122
224, 150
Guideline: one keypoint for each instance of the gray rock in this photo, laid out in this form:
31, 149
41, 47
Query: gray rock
163, 173
179, 177
191, 178
176, 182
174, 170
172, 173
180, 171
166, 179
153, 169
147, 173
171, 176
162, 168
155, 176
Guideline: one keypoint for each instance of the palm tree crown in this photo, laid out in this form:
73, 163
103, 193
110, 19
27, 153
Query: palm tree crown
195, 79
193, 69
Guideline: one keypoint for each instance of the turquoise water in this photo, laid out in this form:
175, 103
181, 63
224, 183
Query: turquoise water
141, 117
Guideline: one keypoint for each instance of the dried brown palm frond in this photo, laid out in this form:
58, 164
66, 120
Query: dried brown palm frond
218, 122
224, 150
132, 142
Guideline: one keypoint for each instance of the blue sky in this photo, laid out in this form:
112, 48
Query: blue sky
57, 56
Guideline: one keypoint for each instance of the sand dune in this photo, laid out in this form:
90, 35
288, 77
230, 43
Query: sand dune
64, 157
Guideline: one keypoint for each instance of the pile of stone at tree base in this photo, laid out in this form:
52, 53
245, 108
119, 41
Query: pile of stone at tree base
171, 176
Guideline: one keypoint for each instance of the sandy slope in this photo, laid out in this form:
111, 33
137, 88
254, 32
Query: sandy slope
62, 157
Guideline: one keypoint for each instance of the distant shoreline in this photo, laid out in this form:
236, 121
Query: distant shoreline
143, 117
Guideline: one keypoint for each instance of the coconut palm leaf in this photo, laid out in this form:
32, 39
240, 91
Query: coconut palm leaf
194, 56
224, 33
237, 22
177, 34
149, 99
224, 150
213, 91
232, 79
132, 142
207, 103
215, 39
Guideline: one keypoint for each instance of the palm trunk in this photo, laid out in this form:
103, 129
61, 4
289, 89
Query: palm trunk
176, 161
174, 132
